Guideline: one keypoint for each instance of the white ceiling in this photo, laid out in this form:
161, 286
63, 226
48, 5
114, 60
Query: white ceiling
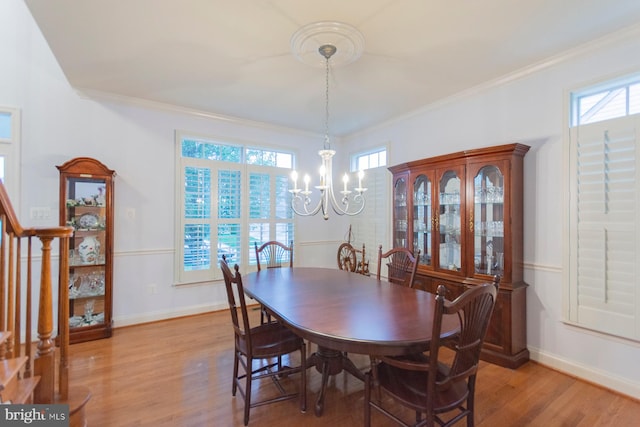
233, 57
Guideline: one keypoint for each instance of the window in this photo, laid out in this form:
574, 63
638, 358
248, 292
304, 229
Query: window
369, 159
604, 223
10, 152
370, 227
619, 98
229, 197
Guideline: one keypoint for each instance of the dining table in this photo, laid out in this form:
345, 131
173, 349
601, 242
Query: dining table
344, 312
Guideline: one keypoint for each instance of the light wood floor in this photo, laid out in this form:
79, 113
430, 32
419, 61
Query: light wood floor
178, 373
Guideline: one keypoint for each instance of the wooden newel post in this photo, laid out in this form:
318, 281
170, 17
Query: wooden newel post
45, 356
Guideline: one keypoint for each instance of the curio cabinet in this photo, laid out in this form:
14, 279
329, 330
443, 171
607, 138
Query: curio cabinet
86, 204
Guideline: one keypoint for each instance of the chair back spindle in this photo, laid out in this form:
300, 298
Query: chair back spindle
274, 254
402, 265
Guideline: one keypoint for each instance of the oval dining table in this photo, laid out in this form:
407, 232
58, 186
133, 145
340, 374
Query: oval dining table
344, 312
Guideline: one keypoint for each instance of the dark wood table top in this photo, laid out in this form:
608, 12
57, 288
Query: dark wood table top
348, 311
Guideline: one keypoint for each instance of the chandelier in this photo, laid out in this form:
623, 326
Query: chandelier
349, 202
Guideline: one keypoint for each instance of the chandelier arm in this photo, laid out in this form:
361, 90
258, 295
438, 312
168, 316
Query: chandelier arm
343, 207
306, 201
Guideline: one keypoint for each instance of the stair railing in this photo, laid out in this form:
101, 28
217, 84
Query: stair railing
16, 314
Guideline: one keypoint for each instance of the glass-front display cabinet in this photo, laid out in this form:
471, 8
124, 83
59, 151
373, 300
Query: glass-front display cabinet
464, 213
488, 220
422, 223
86, 204
449, 220
400, 213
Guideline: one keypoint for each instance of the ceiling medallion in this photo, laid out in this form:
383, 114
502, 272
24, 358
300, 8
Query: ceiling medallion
349, 43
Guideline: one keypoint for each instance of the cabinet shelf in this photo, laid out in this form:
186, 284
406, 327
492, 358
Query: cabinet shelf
463, 211
86, 203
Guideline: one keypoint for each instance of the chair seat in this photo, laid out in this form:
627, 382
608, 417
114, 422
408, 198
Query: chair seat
411, 387
271, 340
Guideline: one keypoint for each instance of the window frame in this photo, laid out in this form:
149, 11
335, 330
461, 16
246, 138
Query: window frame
10, 151
575, 96
244, 248
356, 157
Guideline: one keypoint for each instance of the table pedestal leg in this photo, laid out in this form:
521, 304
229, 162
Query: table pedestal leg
330, 362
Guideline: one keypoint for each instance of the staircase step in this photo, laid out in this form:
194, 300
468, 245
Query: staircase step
24, 393
77, 401
9, 370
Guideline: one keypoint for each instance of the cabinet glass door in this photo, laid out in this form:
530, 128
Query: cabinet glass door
450, 222
400, 213
422, 214
86, 212
488, 212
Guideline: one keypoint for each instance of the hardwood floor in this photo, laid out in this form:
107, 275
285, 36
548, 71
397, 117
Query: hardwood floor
178, 373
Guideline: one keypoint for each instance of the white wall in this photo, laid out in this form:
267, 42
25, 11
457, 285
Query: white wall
138, 143
530, 108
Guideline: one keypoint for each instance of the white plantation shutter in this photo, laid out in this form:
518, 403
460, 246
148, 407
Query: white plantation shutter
230, 212
604, 230
370, 227
195, 252
270, 215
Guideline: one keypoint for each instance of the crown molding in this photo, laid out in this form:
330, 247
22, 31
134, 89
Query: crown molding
626, 33
98, 95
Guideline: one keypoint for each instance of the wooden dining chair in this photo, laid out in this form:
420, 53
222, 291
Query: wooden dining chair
441, 388
402, 265
265, 342
272, 254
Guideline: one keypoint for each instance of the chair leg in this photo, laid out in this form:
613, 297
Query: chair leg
236, 362
247, 390
374, 376
471, 402
367, 399
303, 378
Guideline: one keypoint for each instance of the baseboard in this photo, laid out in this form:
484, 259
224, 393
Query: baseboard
166, 314
587, 373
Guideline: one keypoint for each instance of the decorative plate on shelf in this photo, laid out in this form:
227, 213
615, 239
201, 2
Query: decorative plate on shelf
88, 220
75, 321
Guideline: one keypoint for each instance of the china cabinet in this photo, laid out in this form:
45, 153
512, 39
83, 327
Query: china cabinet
464, 212
86, 204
